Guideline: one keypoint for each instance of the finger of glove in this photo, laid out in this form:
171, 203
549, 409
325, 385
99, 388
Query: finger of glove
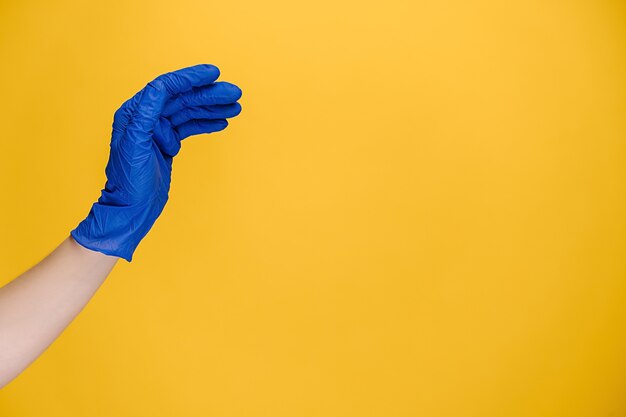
216, 93
197, 127
174, 82
183, 80
218, 111
166, 137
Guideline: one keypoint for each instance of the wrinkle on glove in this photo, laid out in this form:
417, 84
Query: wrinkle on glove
147, 133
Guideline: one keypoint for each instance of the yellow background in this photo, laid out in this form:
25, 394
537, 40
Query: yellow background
421, 210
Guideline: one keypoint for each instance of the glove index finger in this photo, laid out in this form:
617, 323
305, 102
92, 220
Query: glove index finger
220, 92
182, 80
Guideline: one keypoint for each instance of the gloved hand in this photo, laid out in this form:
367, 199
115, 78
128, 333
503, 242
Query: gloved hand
147, 131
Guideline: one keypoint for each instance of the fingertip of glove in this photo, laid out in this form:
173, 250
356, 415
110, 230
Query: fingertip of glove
218, 124
237, 110
236, 91
209, 68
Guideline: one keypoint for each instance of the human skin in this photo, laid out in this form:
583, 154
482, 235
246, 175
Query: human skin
148, 129
37, 306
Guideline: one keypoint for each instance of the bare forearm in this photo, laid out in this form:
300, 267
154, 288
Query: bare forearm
37, 306
147, 133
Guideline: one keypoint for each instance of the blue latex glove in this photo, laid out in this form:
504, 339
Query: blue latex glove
147, 131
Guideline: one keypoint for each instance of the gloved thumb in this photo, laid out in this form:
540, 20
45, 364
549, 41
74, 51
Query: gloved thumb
165, 137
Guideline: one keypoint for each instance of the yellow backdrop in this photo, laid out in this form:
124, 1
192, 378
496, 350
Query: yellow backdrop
421, 210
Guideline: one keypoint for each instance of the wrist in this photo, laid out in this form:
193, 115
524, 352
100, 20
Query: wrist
116, 230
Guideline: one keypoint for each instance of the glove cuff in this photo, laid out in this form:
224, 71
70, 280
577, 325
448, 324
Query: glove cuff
116, 230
